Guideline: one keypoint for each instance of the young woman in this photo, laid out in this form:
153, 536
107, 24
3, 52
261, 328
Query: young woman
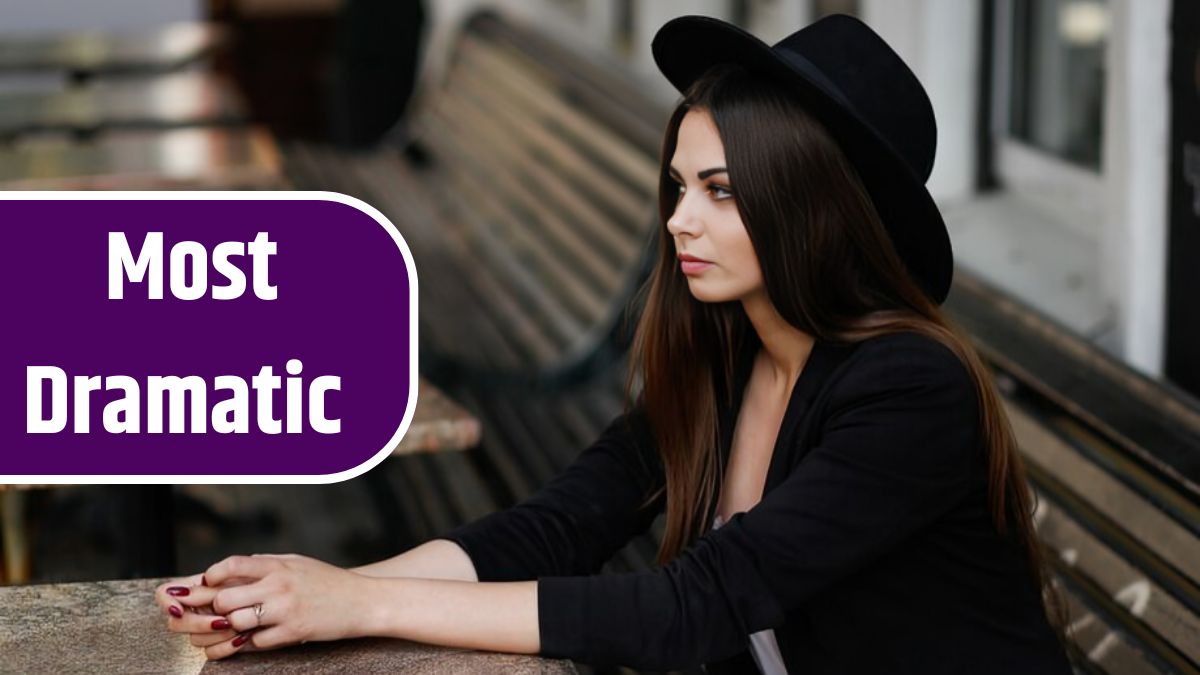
842, 490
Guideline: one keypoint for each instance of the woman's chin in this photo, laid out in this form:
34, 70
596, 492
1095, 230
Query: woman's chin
707, 294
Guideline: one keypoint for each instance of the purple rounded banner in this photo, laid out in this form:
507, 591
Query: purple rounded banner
202, 337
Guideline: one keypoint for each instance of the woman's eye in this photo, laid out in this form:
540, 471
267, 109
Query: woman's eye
720, 192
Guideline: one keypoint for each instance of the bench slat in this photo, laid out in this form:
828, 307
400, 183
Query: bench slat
1124, 582
484, 245
562, 174
501, 299
179, 99
1157, 532
591, 81
557, 171
611, 148
498, 452
622, 196
521, 214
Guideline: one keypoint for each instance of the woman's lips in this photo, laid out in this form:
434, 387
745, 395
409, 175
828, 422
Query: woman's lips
691, 265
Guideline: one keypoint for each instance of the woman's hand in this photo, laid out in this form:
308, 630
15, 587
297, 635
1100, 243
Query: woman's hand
280, 600
187, 602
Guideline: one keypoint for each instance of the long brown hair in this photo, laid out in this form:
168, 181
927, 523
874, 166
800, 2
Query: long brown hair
830, 270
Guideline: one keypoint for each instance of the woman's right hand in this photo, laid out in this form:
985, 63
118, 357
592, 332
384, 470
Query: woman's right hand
187, 602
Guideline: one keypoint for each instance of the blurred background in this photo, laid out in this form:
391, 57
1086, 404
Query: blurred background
514, 143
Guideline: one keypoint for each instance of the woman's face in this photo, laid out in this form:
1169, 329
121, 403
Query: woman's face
711, 244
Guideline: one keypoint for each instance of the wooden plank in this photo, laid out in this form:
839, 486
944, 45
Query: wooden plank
594, 82
589, 234
1144, 599
1154, 423
623, 195
513, 423
496, 449
617, 151
462, 486
165, 48
438, 424
521, 234
1154, 529
186, 98
488, 245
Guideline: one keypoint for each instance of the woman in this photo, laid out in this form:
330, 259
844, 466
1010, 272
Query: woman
841, 486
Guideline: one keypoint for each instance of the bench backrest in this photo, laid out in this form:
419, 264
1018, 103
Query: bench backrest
186, 98
1114, 458
545, 173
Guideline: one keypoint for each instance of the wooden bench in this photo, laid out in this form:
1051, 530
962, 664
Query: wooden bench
530, 215
83, 55
187, 98
1114, 458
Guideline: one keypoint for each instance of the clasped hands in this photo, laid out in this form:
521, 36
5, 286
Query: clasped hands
259, 602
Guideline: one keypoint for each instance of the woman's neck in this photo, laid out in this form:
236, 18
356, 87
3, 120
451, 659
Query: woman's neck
785, 348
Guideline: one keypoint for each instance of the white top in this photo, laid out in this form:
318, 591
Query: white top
763, 646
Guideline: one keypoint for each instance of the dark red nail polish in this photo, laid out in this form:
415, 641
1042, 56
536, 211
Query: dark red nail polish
220, 624
178, 591
175, 612
203, 580
241, 639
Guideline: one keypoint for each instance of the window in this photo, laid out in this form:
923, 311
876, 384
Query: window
1048, 116
1057, 86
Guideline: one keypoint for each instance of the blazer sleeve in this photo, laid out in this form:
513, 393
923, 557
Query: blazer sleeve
896, 452
580, 519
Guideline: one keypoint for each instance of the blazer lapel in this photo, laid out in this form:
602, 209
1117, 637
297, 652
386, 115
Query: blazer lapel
825, 358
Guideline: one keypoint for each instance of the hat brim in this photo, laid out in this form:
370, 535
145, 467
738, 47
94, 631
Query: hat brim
686, 47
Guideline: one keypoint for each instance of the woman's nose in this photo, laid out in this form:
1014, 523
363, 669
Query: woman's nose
682, 221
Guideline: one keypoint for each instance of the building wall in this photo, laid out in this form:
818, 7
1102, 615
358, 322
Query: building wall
1136, 161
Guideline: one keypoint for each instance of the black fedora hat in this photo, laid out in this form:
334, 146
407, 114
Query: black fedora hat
864, 94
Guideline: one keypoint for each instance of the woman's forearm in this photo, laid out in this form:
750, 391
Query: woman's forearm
492, 616
437, 559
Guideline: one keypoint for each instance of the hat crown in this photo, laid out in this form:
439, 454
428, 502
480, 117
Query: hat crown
848, 60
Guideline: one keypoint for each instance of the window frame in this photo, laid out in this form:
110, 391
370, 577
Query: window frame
1073, 195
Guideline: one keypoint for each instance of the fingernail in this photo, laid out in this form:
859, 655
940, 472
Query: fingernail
203, 580
178, 591
220, 624
241, 639
175, 612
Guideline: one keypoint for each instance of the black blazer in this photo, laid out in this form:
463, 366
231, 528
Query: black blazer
872, 550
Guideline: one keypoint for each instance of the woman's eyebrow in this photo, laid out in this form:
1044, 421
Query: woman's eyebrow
703, 174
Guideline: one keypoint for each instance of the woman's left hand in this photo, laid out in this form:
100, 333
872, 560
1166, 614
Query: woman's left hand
288, 599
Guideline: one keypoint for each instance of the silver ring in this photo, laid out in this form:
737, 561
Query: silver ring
258, 612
